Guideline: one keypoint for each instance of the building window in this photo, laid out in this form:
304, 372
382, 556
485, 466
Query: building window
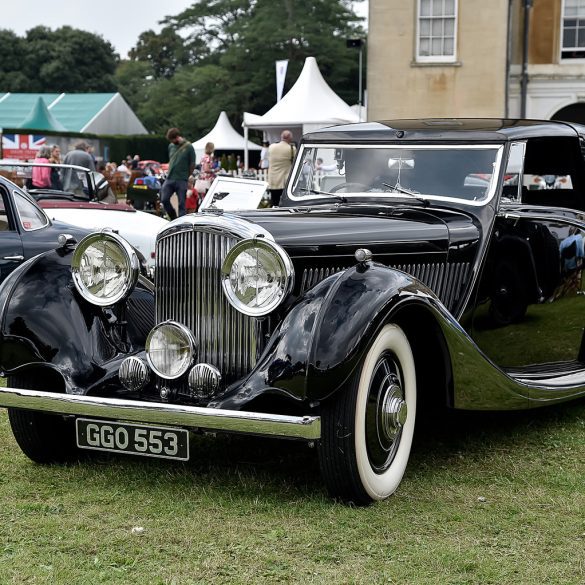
573, 30
436, 31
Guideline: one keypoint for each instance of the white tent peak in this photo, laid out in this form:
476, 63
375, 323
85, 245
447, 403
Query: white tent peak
309, 101
310, 104
224, 137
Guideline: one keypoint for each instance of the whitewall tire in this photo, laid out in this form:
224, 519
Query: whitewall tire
367, 430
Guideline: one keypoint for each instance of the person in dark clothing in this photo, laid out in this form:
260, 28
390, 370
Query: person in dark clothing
80, 156
181, 166
55, 159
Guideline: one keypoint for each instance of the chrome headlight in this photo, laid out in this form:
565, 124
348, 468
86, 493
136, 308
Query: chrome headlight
170, 349
105, 268
257, 275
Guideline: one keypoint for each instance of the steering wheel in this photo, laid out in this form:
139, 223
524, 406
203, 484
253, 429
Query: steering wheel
348, 187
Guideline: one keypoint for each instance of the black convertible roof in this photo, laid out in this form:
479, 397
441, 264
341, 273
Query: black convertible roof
446, 129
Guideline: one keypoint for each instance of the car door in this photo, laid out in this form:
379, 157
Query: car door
11, 248
532, 293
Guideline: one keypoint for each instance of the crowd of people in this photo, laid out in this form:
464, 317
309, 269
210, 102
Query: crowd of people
275, 159
186, 178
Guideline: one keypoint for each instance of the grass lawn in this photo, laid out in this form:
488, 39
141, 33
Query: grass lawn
486, 499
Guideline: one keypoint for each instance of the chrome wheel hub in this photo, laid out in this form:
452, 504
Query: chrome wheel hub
394, 411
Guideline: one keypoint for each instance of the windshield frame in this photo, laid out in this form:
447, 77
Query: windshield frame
498, 147
38, 193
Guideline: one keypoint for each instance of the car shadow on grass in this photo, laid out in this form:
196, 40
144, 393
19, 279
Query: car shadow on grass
447, 435
290, 469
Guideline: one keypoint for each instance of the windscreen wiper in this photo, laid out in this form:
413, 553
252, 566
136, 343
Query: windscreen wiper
332, 195
398, 188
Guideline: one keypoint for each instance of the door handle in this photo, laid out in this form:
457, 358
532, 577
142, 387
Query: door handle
15, 258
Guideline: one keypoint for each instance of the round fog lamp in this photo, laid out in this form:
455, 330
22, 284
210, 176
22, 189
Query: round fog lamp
170, 349
257, 275
105, 268
134, 374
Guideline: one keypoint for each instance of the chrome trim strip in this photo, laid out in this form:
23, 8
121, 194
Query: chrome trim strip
516, 216
226, 224
49, 165
553, 382
255, 423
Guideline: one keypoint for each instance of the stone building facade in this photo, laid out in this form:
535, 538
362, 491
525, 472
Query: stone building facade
475, 58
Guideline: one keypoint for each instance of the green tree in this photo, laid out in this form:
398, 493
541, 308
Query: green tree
166, 51
135, 80
184, 99
12, 50
61, 60
246, 38
221, 57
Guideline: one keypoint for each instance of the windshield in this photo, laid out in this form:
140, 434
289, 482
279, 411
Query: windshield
461, 172
48, 177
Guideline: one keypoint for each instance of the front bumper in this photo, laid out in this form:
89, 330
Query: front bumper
306, 428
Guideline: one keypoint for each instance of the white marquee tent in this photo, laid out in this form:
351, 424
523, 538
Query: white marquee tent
310, 104
224, 137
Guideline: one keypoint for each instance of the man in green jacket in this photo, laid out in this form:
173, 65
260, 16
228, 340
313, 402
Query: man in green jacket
181, 165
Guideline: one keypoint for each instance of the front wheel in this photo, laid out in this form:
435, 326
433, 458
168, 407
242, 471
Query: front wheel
367, 429
42, 437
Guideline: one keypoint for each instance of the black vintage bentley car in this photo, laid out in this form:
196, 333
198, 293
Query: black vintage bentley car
411, 263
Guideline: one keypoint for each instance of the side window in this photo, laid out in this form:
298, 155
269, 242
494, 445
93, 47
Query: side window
31, 217
553, 173
4, 221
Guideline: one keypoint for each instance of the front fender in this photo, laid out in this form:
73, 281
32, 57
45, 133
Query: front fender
322, 338
45, 323
358, 304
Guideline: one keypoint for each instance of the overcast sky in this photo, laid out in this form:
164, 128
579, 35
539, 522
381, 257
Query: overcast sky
118, 22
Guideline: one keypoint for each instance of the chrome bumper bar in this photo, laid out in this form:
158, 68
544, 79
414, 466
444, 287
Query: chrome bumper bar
232, 421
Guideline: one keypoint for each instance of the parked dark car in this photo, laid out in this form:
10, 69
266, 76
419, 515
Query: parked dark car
434, 271
25, 229
81, 197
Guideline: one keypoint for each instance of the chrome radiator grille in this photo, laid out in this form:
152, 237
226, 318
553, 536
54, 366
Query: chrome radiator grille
188, 290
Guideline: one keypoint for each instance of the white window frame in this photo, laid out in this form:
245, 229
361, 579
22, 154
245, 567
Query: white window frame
436, 58
562, 48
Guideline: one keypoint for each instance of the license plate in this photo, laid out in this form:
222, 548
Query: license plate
140, 186
164, 442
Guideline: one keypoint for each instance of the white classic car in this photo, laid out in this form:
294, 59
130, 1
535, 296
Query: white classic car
83, 198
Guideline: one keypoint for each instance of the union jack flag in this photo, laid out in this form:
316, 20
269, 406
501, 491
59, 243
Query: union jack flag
21, 146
